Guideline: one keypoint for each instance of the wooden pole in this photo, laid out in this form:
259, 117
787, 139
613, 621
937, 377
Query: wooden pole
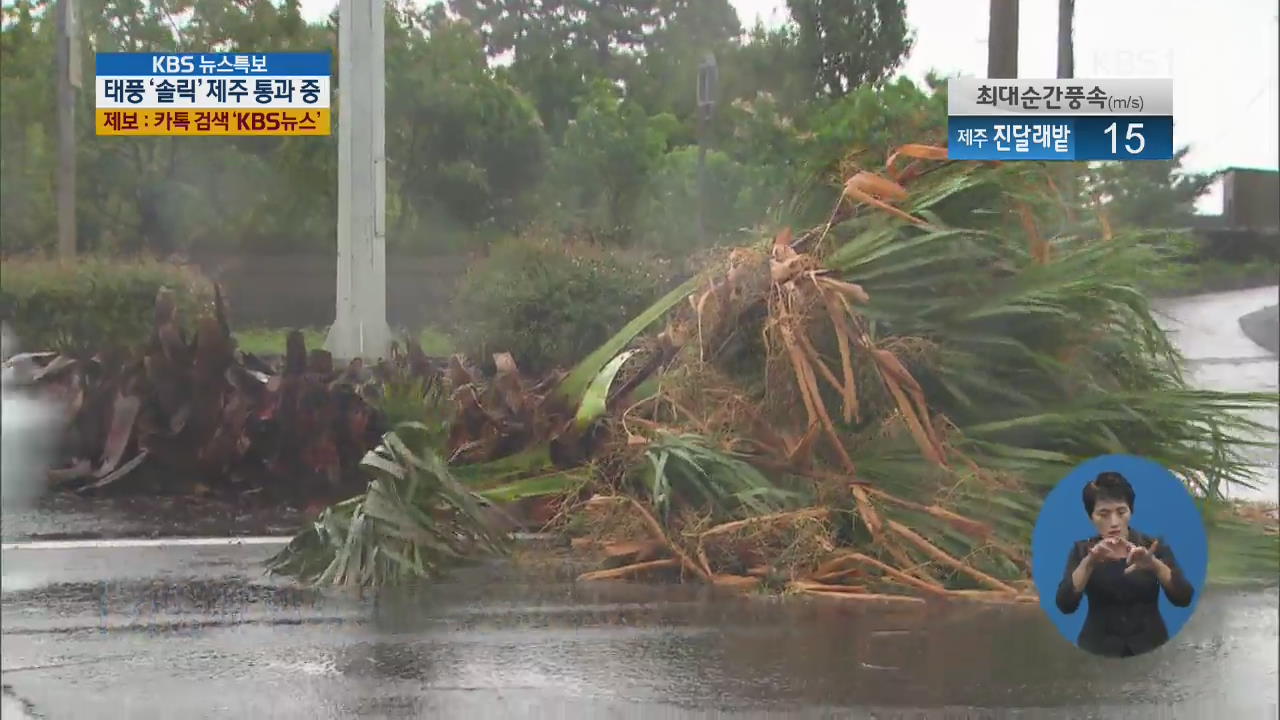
1066, 45
68, 71
1002, 39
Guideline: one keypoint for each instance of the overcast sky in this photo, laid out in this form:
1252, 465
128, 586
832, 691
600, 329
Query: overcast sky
1222, 56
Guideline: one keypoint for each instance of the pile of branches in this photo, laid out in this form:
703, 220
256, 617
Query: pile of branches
873, 408
193, 414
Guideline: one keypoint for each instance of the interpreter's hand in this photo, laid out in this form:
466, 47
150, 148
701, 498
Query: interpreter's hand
1141, 558
1110, 549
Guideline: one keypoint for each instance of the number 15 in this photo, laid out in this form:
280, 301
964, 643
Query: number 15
1128, 135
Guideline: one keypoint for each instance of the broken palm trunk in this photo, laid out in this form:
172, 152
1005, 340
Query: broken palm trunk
196, 415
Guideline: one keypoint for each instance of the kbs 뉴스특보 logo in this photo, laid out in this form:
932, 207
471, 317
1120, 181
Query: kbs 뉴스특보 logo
213, 93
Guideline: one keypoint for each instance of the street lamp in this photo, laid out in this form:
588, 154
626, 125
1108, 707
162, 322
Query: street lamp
707, 76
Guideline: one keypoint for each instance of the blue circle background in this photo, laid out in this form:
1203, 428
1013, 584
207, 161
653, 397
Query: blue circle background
1162, 508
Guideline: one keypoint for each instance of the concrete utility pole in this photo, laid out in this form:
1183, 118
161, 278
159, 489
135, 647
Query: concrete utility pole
1002, 39
360, 322
707, 79
69, 80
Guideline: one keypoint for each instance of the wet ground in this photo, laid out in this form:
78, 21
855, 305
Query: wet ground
70, 516
1221, 356
197, 632
110, 630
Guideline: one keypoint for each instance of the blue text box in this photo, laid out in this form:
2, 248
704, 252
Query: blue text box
1129, 137
212, 64
1071, 138
990, 137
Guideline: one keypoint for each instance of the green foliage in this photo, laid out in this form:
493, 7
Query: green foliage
414, 521
575, 384
870, 122
548, 303
1148, 194
682, 470
595, 399
558, 49
767, 61
93, 303
662, 79
473, 146
738, 197
422, 402
609, 150
849, 43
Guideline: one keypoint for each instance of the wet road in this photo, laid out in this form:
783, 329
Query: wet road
196, 633
1220, 356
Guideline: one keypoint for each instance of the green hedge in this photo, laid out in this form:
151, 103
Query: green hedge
550, 303
92, 303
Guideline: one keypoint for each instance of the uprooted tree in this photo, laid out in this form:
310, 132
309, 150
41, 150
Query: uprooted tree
879, 403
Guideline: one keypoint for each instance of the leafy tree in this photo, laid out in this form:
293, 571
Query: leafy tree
557, 48
464, 145
608, 151
1147, 194
663, 79
28, 150
846, 43
528, 28
871, 121
739, 196
768, 61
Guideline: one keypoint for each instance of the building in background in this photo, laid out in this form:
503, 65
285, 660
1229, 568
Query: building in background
1249, 225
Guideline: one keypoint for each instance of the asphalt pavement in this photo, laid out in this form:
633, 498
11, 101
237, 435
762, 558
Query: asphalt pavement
111, 630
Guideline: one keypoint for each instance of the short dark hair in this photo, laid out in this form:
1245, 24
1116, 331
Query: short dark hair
1107, 486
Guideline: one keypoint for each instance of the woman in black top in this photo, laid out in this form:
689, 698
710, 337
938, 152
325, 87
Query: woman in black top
1122, 572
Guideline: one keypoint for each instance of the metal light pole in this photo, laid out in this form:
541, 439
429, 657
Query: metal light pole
360, 321
707, 76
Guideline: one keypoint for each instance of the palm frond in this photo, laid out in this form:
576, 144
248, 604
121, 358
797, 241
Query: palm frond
681, 469
414, 521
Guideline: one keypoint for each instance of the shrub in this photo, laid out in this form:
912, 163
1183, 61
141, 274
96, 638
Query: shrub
550, 303
92, 303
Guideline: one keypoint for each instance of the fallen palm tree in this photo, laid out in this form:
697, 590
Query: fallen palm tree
870, 408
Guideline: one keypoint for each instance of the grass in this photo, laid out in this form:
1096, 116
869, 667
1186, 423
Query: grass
270, 341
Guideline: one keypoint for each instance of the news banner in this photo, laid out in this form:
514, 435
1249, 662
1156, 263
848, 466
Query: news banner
1022, 119
212, 93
